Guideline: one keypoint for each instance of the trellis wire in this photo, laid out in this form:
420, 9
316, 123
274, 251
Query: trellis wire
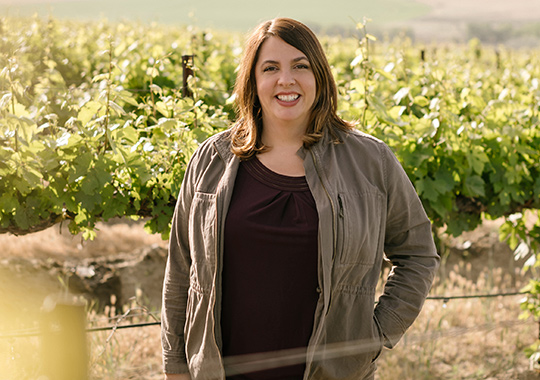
128, 314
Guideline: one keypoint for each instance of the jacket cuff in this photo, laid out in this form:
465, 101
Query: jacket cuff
174, 364
391, 326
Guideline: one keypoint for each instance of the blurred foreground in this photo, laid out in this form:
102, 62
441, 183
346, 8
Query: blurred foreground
459, 339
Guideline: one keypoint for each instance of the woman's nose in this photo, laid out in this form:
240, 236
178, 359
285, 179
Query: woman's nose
286, 78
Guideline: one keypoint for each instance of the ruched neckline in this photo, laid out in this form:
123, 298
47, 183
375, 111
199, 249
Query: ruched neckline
270, 178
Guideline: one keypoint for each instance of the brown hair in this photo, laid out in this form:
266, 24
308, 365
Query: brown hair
247, 130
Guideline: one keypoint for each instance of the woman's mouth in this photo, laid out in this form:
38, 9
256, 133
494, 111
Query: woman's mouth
288, 98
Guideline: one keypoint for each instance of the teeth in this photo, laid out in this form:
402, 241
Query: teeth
288, 98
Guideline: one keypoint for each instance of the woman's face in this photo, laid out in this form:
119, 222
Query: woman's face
286, 84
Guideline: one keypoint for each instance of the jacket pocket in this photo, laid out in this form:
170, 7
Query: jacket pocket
351, 325
359, 227
202, 228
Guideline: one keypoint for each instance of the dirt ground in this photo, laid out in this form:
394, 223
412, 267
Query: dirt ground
124, 261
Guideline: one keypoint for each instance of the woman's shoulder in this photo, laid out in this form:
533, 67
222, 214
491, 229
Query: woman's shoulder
366, 148
361, 141
215, 147
219, 138
220, 141
362, 137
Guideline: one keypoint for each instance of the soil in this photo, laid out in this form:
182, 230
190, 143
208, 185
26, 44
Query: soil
480, 251
108, 277
103, 281
70, 269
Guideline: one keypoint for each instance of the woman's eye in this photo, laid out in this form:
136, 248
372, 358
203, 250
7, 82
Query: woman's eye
269, 68
302, 66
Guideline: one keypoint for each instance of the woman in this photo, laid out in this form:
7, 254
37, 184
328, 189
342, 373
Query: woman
280, 230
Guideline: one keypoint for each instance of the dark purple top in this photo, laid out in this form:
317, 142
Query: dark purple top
269, 267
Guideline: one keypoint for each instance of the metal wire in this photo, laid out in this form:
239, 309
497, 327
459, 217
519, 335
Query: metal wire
117, 326
448, 298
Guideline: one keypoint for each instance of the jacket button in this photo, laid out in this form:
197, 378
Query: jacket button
319, 290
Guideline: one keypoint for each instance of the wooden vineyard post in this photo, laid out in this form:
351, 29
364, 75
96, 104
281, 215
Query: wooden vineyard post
64, 351
187, 71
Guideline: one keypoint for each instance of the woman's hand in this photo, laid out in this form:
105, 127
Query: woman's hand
177, 376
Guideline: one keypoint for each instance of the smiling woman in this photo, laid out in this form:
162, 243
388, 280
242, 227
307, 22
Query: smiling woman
280, 230
286, 89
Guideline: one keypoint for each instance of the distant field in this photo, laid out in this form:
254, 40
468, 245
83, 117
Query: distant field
231, 14
484, 10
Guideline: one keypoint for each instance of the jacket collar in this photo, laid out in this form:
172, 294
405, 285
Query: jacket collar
222, 144
322, 145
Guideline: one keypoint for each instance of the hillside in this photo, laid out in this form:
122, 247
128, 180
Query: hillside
461, 19
515, 23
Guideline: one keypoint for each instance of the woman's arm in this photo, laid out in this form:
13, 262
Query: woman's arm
176, 282
410, 247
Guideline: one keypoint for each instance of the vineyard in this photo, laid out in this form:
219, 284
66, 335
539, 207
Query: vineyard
98, 120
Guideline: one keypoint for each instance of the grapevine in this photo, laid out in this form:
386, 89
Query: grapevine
93, 124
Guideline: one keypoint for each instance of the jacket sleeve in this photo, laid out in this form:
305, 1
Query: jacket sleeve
176, 281
410, 247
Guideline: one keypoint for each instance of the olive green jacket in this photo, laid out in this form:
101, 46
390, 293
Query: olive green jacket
368, 210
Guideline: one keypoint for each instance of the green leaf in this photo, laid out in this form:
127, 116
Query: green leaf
89, 234
358, 85
81, 218
441, 206
152, 72
422, 101
427, 190
8, 204
63, 140
474, 186
371, 37
22, 186
89, 185
102, 174
116, 108
504, 198
402, 93
163, 109
444, 181
21, 217
477, 160
88, 111
380, 109
100, 77
127, 98
504, 230
385, 74
5, 101
156, 89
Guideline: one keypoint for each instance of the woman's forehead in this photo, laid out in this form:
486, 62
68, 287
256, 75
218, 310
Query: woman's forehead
274, 48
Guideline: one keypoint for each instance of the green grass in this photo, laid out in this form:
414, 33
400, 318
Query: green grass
237, 15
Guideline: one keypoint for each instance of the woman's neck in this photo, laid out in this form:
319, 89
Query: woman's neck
283, 136
283, 144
